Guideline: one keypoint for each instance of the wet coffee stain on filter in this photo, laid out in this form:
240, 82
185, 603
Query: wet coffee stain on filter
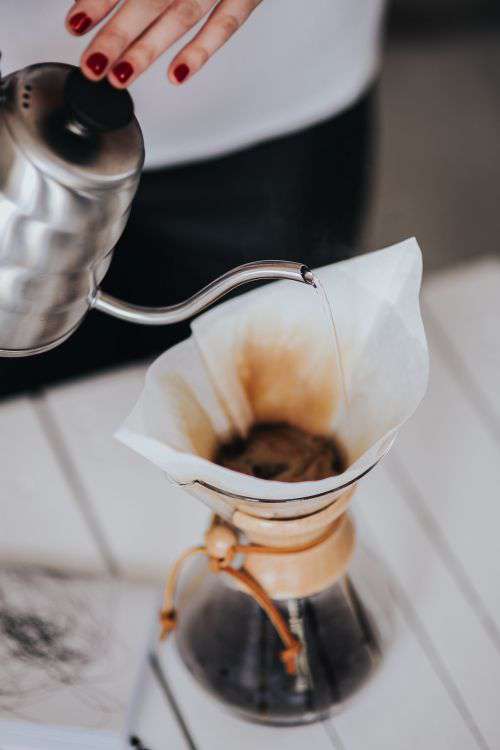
196, 425
290, 379
287, 375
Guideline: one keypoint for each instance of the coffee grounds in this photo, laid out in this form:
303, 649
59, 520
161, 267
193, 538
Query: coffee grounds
283, 453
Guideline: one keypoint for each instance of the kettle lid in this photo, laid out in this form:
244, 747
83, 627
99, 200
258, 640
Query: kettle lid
97, 106
81, 133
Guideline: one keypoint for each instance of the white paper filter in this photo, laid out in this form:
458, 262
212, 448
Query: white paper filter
267, 356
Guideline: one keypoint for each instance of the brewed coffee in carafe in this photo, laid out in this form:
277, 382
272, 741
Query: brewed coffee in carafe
229, 644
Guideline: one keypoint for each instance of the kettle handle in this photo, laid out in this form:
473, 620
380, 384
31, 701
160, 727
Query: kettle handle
156, 316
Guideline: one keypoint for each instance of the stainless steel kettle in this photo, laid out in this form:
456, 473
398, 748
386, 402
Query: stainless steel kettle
71, 155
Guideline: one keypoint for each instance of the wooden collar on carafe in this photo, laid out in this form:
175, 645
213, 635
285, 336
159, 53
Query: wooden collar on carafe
299, 570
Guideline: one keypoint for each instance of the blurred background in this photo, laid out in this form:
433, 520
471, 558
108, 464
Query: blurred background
437, 170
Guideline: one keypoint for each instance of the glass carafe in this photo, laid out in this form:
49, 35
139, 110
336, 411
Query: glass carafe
230, 645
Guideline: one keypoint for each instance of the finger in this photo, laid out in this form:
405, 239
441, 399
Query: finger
177, 20
85, 14
224, 21
128, 23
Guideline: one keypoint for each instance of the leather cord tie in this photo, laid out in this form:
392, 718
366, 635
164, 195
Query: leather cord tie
221, 548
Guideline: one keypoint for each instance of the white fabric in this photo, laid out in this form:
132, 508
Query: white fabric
294, 63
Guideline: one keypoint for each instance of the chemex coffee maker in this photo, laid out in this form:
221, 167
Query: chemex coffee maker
278, 613
269, 621
71, 155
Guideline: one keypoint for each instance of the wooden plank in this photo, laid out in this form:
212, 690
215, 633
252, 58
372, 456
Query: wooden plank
40, 521
464, 307
145, 520
404, 706
467, 656
157, 726
450, 465
213, 726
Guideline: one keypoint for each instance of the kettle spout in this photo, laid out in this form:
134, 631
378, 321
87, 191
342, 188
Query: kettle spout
156, 316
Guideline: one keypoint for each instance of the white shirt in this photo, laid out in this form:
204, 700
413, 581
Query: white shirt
294, 63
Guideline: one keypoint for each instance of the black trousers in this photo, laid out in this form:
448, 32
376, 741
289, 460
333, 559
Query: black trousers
299, 197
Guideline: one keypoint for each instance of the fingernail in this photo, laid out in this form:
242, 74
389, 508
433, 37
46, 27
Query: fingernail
80, 22
123, 71
97, 63
181, 72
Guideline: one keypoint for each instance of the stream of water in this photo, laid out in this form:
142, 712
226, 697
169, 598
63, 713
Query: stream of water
330, 318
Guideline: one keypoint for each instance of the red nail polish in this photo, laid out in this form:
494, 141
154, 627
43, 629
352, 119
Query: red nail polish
123, 71
181, 72
80, 22
97, 63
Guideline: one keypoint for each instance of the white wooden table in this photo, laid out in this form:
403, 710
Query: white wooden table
74, 497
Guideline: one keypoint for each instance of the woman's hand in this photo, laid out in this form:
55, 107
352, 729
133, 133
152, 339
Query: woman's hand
142, 30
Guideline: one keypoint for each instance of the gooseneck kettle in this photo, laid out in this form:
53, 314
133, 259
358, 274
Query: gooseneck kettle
71, 155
